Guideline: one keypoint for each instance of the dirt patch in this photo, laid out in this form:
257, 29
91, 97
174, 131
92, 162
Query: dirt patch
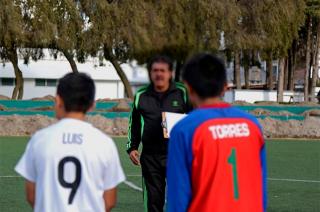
241, 103
120, 126
259, 112
17, 125
114, 100
117, 126
102, 123
2, 108
45, 98
122, 106
307, 104
47, 108
23, 125
269, 103
2, 97
312, 113
309, 128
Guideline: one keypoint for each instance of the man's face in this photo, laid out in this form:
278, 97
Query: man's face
160, 74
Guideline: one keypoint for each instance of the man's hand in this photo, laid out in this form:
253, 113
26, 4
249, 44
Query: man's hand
134, 157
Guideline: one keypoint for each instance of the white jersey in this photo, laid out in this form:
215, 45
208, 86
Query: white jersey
72, 164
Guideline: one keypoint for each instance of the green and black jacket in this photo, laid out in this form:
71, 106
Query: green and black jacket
145, 119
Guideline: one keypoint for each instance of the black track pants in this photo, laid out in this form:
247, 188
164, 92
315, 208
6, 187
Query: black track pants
154, 181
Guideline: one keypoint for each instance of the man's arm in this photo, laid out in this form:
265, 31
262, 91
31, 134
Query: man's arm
30, 193
178, 172
110, 198
134, 133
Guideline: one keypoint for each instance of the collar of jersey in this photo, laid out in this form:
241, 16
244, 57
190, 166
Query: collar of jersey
74, 120
217, 105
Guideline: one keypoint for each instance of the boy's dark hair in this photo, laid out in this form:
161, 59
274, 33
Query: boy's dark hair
77, 91
206, 74
160, 59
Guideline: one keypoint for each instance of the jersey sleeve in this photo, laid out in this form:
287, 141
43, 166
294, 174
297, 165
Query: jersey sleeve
263, 160
134, 130
264, 176
179, 171
26, 165
113, 171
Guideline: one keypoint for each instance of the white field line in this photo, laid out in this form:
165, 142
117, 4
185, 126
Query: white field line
294, 180
270, 179
17, 176
132, 185
128, 183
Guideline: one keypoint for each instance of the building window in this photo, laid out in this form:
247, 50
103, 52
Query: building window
46, 82
7, 82
52, 82
40, 82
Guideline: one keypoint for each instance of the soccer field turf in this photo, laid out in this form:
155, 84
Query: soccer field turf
293, 177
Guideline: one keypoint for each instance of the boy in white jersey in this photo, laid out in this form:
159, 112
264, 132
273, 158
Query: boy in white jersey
70, 165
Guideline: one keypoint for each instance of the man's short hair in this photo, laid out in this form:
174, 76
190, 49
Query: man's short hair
206, 74
160, 59
77, 91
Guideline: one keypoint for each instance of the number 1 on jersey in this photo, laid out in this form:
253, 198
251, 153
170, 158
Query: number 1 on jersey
232, 159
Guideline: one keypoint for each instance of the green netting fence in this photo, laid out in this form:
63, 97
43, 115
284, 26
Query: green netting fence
27, 107
292, 109
28, 104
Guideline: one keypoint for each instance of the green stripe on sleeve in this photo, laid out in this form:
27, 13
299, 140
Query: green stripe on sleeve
184, 90
135, 104
129, 129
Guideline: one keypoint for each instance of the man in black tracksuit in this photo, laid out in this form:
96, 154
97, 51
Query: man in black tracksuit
162, 95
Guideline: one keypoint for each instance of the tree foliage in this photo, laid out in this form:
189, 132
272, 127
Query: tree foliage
121, 30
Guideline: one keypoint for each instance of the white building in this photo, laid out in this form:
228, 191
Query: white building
40, 78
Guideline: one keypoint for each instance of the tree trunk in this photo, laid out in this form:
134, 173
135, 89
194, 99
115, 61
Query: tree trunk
286, 74
291, 65
18, 89
289, 69
315, 66
237, 73
246, 76
178, 71
246, 66
269, 71
109, 56
71, 61
281, 80
308, 57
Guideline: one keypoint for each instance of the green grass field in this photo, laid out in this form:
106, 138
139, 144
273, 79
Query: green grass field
293, 177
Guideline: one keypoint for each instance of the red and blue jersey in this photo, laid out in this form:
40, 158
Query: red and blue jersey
217, 162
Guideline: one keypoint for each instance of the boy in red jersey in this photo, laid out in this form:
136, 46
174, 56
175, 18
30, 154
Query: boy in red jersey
216, 159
